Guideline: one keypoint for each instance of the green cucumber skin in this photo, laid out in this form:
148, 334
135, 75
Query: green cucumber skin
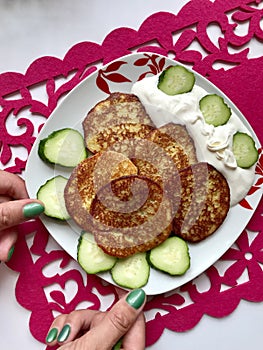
103, 267
121, 280
41, 153
156, 266
244, 159
216, 120
185, 74
41, 196
43, 142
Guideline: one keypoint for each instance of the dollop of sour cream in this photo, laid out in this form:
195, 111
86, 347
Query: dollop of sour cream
213, 144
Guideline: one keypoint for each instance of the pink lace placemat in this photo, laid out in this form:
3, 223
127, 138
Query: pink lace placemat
204, 35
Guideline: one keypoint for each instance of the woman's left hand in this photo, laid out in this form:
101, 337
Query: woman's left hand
15, 208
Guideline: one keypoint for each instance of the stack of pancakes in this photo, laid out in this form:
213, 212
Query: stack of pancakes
141, 184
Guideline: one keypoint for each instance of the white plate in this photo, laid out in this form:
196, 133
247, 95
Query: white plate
72, 111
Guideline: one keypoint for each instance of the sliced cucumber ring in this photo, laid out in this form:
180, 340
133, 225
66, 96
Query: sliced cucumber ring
214, 109
171, 256
244, 150
176, 80
132, 272
52, 195
63, 147
91, 257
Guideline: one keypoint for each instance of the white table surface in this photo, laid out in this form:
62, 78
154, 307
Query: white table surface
35, 28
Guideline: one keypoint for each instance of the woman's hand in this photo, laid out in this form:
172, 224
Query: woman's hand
15, 207
95, 330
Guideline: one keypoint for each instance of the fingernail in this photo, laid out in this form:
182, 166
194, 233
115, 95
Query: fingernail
136, 298
118, 345
63, 335
33, 209
52, 335
10, 253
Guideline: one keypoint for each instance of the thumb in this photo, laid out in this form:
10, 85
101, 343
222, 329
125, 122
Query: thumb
120, 319
14, 212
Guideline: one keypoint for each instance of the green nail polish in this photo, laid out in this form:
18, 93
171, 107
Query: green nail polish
10, 253
118, 345
52, 334
63, 335
32, 209
136, 298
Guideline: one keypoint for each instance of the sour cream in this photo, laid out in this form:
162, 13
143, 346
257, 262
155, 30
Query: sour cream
213, 144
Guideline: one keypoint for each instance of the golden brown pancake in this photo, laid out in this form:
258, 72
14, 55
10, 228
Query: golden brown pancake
117, 134
118, 108
156, 154
131, 214
87, 178
180, 134
205, 200
155, 160
173, 149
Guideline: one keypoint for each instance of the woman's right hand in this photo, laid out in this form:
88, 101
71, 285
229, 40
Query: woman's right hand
90, 329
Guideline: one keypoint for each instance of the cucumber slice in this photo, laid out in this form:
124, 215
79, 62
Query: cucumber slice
244, 150
214, 109
91, 257
52, 195
64, 147
176, 80
171, 256
132, 272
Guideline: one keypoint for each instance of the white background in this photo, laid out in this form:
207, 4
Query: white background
36, 28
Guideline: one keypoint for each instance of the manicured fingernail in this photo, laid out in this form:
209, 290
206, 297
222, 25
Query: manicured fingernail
32, 210
64, 333
118, 345
136, 298
52, 335
10, 253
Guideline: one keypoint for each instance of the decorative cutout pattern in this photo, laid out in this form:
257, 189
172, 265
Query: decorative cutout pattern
29, 99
